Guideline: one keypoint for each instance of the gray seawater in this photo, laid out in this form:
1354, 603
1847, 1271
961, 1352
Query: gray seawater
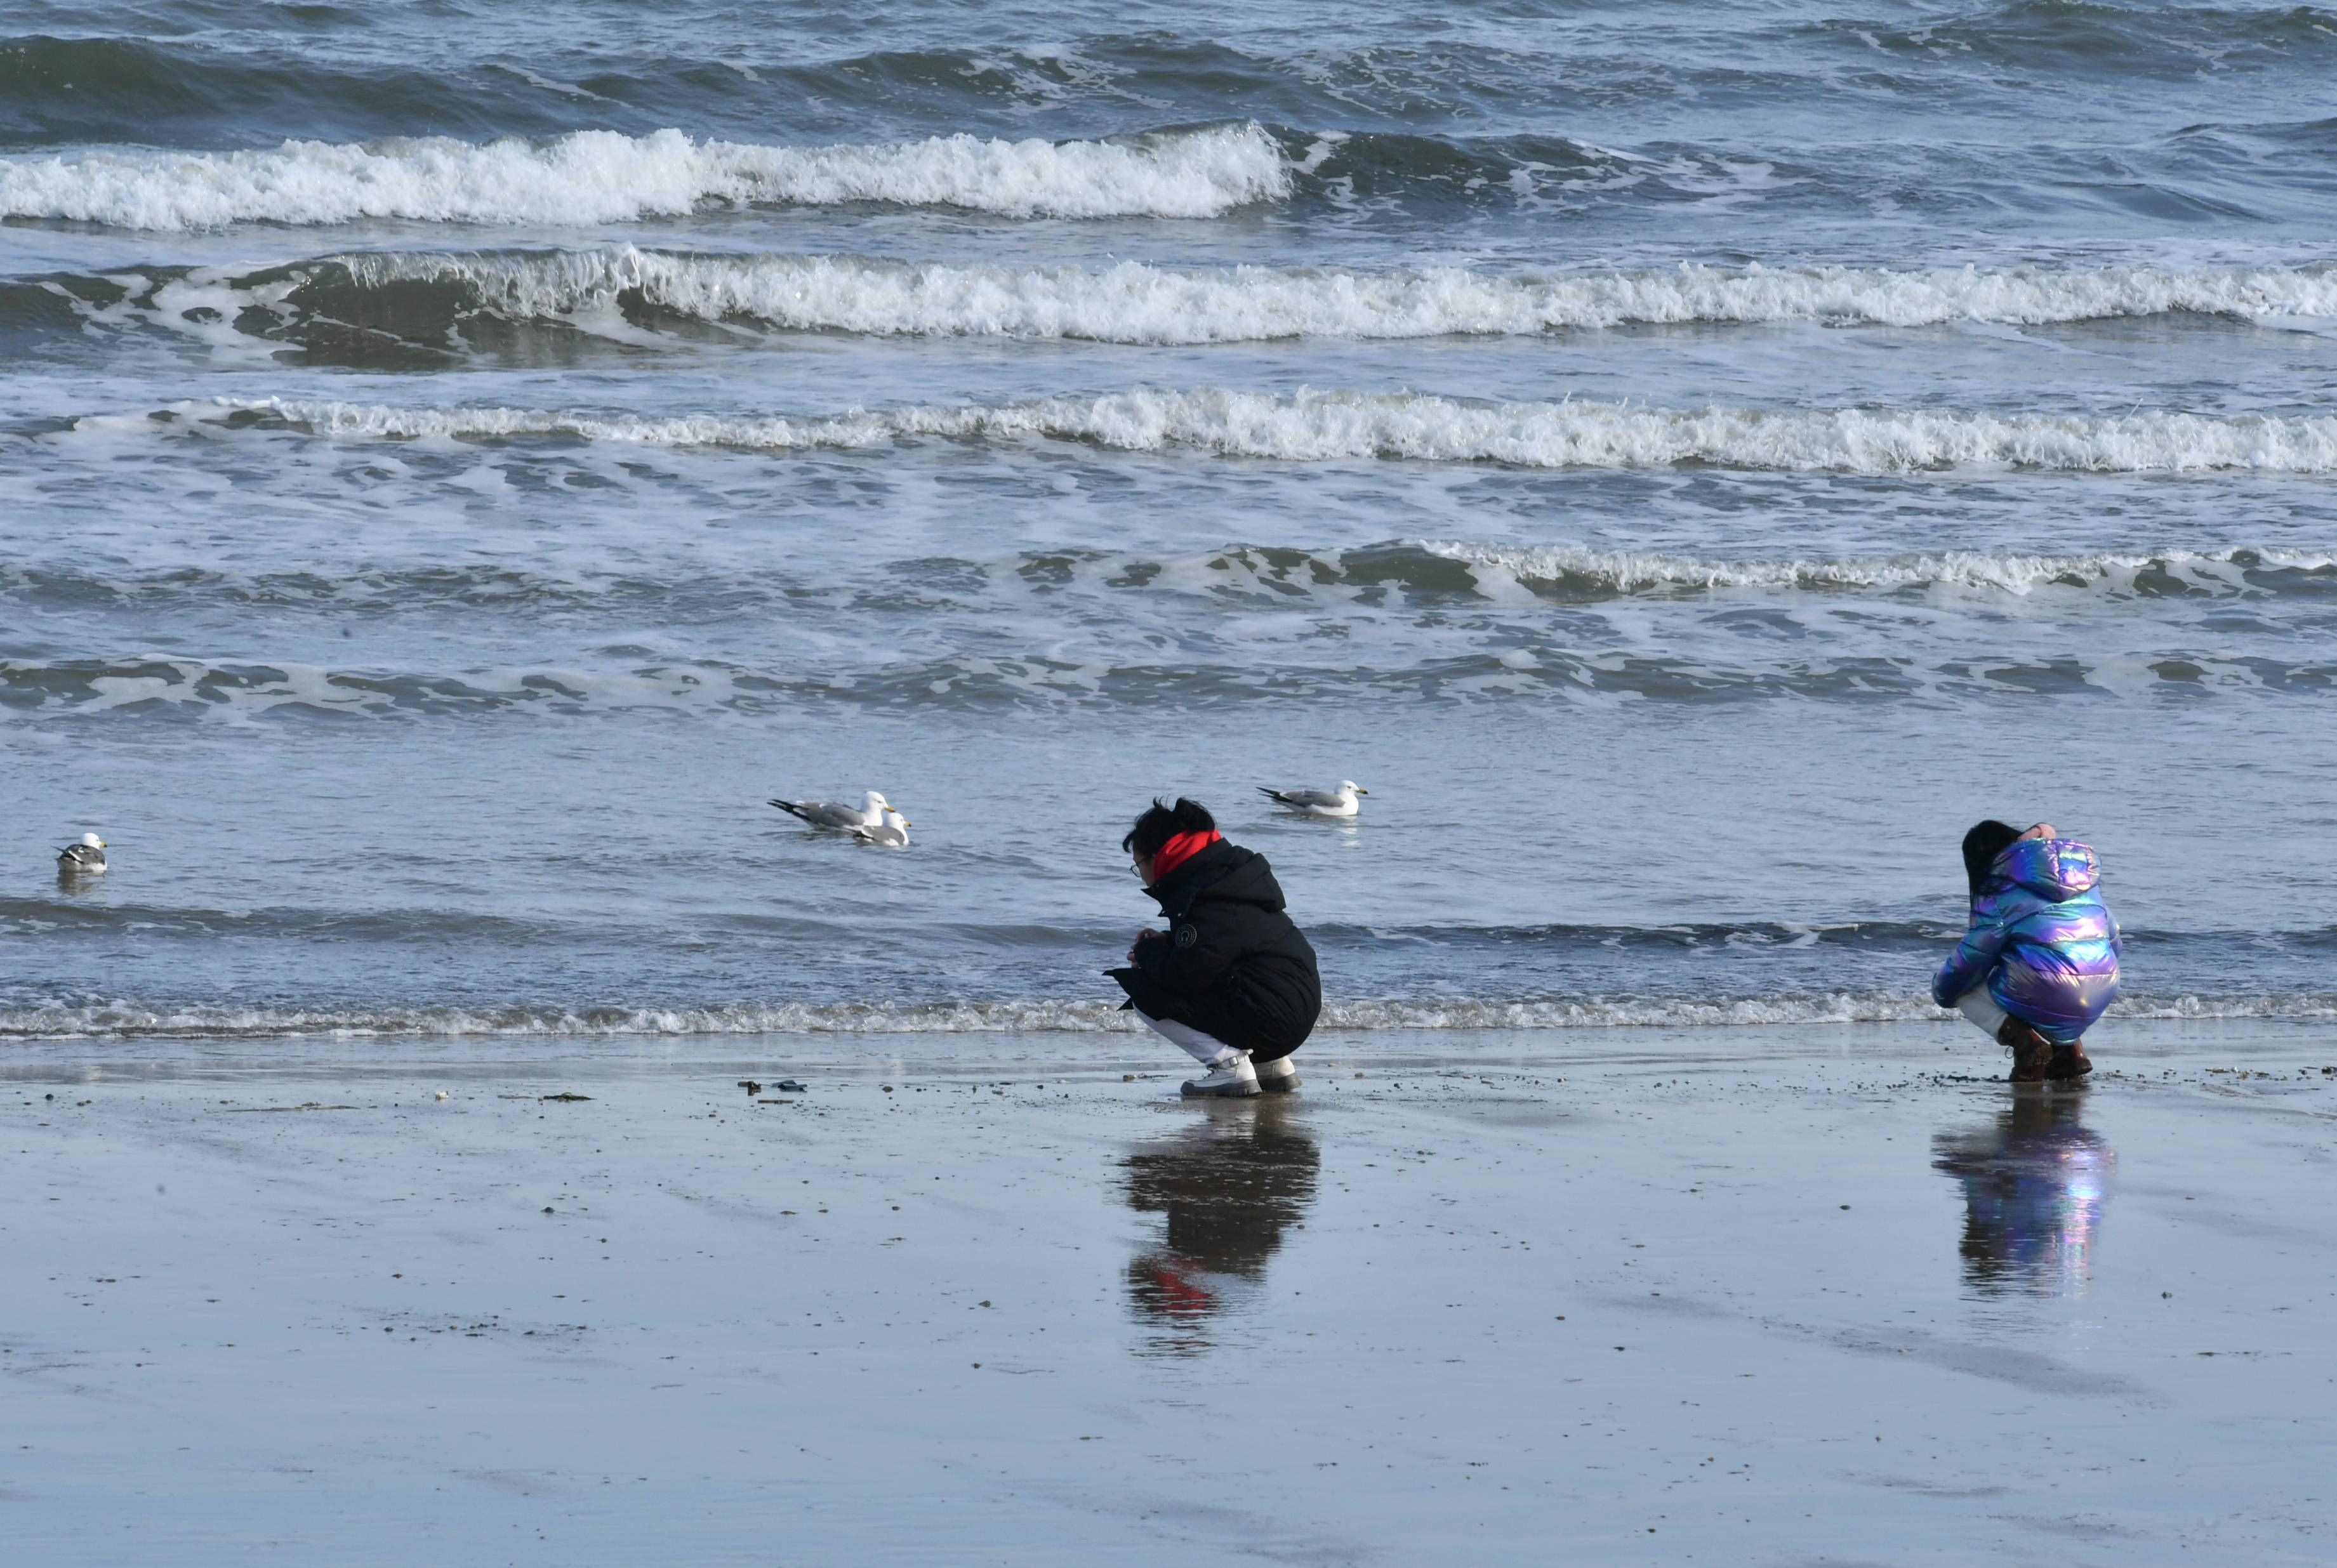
457, 460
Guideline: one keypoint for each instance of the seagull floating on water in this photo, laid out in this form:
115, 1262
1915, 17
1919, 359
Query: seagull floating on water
86, 858
893, 833
841, 818
1337, 803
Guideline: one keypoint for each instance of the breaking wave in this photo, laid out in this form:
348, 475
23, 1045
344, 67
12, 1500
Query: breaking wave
1140, 304
1436, 573
603, 177
1313, 426
138, 1020
426, 299
1137, 303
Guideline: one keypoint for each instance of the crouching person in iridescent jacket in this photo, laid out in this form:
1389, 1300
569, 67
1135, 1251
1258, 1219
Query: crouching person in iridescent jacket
2040, 962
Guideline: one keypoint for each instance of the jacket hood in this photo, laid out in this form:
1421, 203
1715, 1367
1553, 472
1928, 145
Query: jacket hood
1223, 870
2055, 869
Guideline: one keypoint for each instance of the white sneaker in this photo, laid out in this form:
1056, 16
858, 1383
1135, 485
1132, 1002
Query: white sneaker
1278, 1076
1230, 1075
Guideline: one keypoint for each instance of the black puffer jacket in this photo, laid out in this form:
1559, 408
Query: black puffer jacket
1232, 964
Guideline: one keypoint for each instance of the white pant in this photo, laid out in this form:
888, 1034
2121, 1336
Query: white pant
1980, 1007
1204, 1048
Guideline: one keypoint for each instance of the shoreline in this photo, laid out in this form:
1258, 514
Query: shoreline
1090, 1018
775, 1053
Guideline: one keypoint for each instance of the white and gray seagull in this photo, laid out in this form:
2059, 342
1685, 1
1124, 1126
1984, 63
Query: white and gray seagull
1337, 803
837, 817
891, 834
86, 858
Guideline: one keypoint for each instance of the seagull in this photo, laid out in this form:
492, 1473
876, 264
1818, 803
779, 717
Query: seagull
893, 833
86, 858
840, 817
1337, 803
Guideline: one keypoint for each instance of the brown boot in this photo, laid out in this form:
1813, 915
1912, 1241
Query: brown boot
2069, 1061
2031, 1052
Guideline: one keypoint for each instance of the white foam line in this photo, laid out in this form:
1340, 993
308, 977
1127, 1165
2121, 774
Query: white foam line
1621, 571
601, 176
1243, 566
1135, 302
1329, 426
128, 1018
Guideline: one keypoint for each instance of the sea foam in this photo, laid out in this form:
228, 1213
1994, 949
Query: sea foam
1135, 303
603, 177
135, 1020
1312, 426
1599, 573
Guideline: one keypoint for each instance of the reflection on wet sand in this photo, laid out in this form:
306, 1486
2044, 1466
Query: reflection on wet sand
1229, 1185
2033, 1186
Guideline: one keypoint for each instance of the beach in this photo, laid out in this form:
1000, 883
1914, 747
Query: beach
1778, 1295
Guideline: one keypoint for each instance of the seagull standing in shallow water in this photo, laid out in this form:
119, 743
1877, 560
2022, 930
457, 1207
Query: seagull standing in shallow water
86, 858
893, 833
837, 817
1337, 803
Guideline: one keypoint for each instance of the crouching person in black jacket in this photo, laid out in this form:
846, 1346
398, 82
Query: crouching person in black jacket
1231, 980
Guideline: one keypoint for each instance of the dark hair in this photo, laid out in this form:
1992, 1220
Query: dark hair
1982, 845
1162, 822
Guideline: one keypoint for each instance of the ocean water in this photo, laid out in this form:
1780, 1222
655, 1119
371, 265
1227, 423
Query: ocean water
457, 460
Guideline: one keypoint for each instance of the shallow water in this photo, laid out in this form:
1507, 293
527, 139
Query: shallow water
457, 463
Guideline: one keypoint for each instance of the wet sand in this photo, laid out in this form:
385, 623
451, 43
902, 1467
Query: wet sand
1624, 1296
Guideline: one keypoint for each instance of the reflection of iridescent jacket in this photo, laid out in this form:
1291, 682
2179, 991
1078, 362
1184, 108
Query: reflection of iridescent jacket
2042, 939
2034, 1187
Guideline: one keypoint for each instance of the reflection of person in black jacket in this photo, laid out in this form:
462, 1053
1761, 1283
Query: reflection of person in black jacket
1227, 1186
1231, 980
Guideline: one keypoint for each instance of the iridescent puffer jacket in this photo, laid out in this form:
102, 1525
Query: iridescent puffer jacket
2041, 938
